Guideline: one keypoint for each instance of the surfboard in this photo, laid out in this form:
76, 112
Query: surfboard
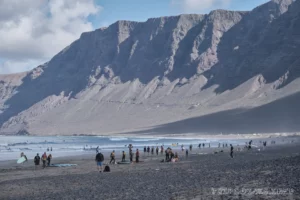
21, 160
63, 165
126, 162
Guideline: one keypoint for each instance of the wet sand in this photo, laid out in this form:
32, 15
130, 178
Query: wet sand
273, 173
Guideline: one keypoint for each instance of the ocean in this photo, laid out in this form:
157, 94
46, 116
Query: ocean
12, 146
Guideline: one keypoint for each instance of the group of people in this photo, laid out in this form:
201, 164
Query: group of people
170, 156
44, 159
157, 150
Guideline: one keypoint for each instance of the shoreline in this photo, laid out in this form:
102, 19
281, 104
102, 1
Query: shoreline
173, 136
272, 168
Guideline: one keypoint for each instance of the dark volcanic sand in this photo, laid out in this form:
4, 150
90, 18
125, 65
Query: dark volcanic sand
193, 178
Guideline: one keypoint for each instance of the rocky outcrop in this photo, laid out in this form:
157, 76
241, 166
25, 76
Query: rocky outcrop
133, 75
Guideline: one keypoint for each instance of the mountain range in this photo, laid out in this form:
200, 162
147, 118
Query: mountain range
223, 72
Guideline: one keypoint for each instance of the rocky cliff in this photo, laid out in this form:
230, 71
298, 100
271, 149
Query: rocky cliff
134, 76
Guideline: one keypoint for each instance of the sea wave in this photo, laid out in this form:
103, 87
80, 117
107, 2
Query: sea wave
145, 139
118, 139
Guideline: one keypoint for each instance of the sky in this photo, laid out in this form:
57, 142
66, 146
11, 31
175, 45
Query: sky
33, 31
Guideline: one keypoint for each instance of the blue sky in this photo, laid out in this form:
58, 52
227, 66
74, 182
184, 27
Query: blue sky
141, 10
33, 31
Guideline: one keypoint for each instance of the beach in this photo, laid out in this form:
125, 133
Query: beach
270, 173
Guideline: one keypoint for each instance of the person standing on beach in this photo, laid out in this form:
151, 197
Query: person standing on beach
131, 155
99, 159
44, 159
167, 155
231, 151
112, 157
123, 156
187, 153
148, 150
162, 149
145, 149
49, 159
157, 149
137, 155
36, 161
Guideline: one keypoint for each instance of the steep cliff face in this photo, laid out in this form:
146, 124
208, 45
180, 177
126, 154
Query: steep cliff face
136, 75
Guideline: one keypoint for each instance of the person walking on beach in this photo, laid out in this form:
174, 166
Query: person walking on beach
137, 155
99, 160
152, 150
148, 150
157, 149
36, 161
199, 146
49, 159
249, 146
145, 149
162, 149
23, 155
231, 151
186, 153
112, 157
44, 159
123, 156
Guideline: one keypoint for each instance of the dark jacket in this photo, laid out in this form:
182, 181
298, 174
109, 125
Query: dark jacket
99, 157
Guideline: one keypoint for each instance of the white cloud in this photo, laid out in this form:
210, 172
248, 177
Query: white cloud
200, 6
9, 66
33, 31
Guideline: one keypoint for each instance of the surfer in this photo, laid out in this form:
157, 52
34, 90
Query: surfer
112, 157
137, 155
23, 155
36, 160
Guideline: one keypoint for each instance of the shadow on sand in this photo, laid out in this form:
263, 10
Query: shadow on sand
280, 116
